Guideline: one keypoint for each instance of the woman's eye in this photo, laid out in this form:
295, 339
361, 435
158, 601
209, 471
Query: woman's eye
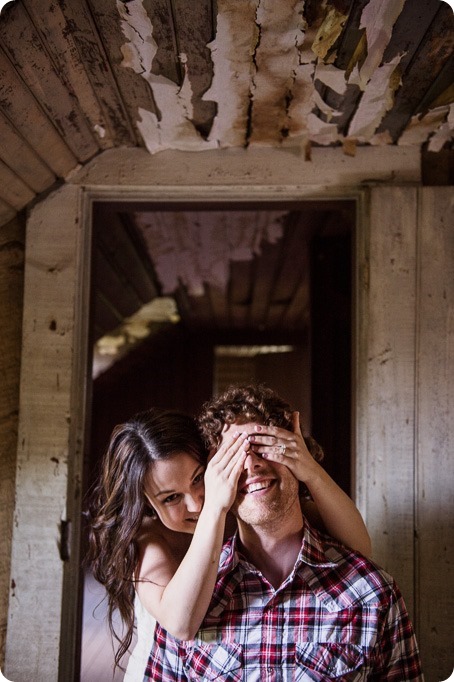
171, 499
198, 478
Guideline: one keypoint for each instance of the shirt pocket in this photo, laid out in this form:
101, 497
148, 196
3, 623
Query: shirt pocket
214, 661
329, 661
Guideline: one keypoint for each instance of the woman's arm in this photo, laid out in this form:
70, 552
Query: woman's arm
332, 510
178, 594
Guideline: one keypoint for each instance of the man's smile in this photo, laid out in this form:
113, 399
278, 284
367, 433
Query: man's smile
255, 486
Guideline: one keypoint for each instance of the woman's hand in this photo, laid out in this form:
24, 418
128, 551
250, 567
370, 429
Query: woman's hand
285, 447
223, 471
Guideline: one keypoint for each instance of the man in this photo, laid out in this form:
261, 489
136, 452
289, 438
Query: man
289, 602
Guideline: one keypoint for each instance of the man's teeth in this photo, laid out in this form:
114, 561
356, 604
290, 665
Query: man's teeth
253, 487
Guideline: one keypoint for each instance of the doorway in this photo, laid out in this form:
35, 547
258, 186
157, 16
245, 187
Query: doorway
295, 292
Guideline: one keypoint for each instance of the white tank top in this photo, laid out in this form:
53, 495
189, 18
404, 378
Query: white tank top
135, 669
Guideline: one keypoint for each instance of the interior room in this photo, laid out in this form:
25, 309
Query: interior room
194, 194
279, 312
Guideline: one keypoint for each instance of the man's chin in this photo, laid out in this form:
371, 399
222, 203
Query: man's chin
255, 513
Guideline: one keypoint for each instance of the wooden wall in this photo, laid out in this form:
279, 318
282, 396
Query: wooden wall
405, 374
403, 380
12, 245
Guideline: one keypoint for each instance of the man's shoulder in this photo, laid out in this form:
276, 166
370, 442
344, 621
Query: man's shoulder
348, 577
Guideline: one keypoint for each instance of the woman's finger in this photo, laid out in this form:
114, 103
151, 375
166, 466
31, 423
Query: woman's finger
229, 448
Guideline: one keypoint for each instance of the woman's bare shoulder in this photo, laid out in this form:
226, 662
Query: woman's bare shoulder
153, 535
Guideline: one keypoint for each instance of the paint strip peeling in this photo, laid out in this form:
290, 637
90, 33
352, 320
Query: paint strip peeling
231, 52
378, 18
437, 124
332, 77
207, 243
444, 134
376, 101
281, 31
268, 65
175, 130
302, 103
328, 32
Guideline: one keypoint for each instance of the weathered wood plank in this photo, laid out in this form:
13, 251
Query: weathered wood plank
50, 451
73, 41
114, 284
327, 170
18, 105
22, 160
166, 61
117, 238
265, 272
293, 266
134, 91
7, 212
194, 25
435, 440
385, 386
428, 59
30, 58
12, 246
13, 190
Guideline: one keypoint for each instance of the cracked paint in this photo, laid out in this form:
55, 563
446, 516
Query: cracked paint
328, 32
199, 248
376, 101
435, 125
231, 54
175, 129
265, 61
281, 31
378, 18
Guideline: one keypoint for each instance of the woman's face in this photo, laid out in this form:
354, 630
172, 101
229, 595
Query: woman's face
175, 489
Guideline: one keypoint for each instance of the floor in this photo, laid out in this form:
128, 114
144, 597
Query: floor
97, 648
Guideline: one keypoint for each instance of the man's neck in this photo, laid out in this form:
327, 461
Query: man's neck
273, 550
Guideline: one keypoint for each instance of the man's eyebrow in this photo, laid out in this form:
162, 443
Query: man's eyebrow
194, 474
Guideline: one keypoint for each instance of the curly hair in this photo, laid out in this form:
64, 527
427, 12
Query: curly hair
118, 504
248, 403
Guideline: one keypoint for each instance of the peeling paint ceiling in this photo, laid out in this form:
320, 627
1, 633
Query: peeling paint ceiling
79, 78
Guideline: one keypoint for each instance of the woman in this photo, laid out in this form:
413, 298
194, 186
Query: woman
159, 518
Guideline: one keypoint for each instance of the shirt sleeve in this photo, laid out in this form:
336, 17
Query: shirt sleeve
396, 653
165, 660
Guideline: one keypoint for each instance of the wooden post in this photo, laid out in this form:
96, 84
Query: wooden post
12, 246
46, 533
434, 410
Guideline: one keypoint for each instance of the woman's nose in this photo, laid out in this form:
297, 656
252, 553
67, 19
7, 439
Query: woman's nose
194, 503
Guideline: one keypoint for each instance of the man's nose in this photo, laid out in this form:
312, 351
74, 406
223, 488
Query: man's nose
252, 461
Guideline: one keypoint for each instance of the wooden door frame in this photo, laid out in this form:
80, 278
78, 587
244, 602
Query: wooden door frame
55, 353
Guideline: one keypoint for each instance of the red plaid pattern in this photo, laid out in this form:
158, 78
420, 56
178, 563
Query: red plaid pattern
337, 616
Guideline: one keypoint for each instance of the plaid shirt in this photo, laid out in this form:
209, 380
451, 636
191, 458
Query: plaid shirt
337, 616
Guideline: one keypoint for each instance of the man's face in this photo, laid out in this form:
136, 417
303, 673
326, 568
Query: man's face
267, 491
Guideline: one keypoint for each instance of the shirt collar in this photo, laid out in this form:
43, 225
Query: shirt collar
314, 551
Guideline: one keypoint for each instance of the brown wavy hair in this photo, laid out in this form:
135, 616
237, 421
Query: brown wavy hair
118, 504
249, 403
